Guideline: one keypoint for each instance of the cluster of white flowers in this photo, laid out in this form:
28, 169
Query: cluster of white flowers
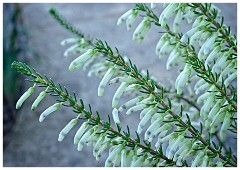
155, 124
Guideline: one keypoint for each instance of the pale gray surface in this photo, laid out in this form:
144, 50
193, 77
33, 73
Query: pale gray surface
34, 143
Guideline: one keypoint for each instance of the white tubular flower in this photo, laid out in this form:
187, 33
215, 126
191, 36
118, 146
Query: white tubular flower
80, 132
153, 5
177, 21
49, 110
130, 103
226, 124
70, 41
202, 87
86, 137
195, 37
151, 131
229, 69
230, 79
115, 117
131, 157
207, 106
188, 34
198, 84
183, 78
204, 37
98, 144
220, 64
78, 62
165, 49
112, 155
25, 96
66, 129
168, 137
215, 109
142, 30
161, 42
217, 120
198, 159
117, 160
145, 119
189, 14
101, 149
135, 108
105, 80
205, 161
118, 94
212, 55
124, 17
123, 158
143, 112
39, 99
174, 146
131, 19
198, 21
139, 162
167, 13
185, 147
173, 57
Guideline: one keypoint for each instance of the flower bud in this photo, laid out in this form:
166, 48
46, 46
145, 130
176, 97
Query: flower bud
78, 62
118, 94
104, 81
49, 110
80, 132
25, 96
115, 117
66, 129
40, 97
124, 17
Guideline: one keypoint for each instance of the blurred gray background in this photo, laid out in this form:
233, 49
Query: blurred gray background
35, 144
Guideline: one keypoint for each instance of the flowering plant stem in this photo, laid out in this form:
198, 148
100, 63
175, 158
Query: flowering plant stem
192, 58
55, 90
132, 71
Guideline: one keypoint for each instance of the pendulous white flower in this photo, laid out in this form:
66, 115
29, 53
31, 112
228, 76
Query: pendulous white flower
183, 78
112, 155
141, 30
230, 79
198, 159
130, 103
167, 13
80, 132
78, 62
226, 124
131, 19
115, 117
25, 96
49, 110
135, 108
39, 99
66, 129
105, 80
145, 119
124, 17
161, 42
118, 94
177, 21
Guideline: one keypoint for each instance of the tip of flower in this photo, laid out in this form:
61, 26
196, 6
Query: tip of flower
71, 67
41, 119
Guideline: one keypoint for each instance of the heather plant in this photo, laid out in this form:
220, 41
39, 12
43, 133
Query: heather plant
185, 124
